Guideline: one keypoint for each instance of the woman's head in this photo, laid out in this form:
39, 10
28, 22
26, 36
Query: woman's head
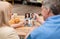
27, 15
5, 12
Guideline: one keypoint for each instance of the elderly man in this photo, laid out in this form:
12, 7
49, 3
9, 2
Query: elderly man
50, 29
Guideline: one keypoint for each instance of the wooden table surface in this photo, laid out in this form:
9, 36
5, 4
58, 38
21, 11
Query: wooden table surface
24, 30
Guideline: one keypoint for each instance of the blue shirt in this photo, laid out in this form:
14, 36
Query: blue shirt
49, 30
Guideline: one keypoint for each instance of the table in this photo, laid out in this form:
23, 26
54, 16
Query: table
23, 31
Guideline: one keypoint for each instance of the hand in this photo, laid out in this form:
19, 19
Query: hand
38, 19
36, 15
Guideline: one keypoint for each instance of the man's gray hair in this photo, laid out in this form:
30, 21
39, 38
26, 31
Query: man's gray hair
54, 5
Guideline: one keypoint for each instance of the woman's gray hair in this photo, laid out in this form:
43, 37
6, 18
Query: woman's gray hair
54, 5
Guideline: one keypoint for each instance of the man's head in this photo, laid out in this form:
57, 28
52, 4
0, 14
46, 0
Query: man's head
50, 8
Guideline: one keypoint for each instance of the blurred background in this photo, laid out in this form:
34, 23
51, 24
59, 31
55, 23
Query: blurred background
25, 6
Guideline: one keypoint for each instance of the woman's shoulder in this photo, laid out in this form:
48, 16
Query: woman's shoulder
6, 29
8, 32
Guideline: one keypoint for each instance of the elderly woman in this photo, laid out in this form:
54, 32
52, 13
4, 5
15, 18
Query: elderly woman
6, 32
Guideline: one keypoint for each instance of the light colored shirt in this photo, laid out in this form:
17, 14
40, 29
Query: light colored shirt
8, 33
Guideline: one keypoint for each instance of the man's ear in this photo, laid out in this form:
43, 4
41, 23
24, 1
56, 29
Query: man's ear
48, 11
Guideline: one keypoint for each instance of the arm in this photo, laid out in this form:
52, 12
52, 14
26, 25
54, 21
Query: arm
39, 20
12, 34
17, 25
